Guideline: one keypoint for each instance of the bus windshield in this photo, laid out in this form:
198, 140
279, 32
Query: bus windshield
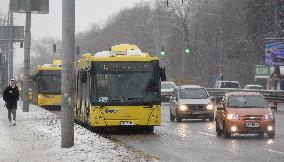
126, 86
49, 83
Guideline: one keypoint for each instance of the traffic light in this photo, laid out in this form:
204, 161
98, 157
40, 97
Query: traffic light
54, 48
163, 51
163, 73
77, 50
187, 50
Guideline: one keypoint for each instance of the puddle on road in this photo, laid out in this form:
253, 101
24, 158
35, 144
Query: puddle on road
183, 130
270, 141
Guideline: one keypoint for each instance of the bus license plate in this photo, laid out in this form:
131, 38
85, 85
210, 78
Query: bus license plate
252, 125
127, 123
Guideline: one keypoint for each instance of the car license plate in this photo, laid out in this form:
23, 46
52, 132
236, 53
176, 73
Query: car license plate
197, 112
252, 125
127, 123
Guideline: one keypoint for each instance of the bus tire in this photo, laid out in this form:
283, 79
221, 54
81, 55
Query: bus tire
150, 129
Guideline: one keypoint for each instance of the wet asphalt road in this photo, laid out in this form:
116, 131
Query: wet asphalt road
197, 141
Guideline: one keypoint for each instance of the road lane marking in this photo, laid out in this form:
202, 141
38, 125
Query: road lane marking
166, 124
273, 151
208, 134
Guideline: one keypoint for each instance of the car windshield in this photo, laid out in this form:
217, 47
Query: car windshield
167, 86
230, 85
193, 93
247, 102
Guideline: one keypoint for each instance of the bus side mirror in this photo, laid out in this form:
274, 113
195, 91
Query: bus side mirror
163, 74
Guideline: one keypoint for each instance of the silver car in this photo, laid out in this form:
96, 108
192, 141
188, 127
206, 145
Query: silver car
191, 102
167, 89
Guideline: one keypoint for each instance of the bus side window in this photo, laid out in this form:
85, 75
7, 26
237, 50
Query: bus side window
84, 85
78, 96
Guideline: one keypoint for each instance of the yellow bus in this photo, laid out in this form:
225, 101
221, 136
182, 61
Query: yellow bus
46, 85
118, 88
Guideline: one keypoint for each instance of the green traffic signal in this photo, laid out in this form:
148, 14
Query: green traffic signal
187, 50
163, 51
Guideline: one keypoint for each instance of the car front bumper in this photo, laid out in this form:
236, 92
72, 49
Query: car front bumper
239, 126
195, 114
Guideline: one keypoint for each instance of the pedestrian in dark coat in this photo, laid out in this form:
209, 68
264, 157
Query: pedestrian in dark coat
11, 96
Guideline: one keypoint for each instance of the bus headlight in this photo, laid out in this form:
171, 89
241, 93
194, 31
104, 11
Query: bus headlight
210, 107
182, 107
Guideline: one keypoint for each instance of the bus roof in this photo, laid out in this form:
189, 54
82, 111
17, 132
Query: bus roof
122, 52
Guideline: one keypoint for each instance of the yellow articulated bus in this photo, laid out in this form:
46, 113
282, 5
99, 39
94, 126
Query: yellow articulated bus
118, 88
46, 86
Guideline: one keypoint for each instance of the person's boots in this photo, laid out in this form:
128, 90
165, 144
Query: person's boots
10, 123
14, 122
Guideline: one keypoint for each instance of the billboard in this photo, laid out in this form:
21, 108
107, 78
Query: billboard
274, 51
37, 6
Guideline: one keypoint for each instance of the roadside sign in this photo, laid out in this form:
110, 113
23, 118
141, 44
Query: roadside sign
18, 33
262, 71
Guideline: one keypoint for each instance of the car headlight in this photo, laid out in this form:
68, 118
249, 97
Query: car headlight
233, 117
210, 107
183, 107
269, 116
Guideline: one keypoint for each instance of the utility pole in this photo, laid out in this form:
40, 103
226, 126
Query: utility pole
5, 58
11, 51
67, 104
27, 44
276, 67
221, 59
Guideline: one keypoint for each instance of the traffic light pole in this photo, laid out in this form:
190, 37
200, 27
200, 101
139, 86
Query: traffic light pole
67, 105
27, 45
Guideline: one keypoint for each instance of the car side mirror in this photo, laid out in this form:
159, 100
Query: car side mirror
273, 106
212, 99
220, 107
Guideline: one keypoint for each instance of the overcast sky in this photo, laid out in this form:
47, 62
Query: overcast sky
88, 12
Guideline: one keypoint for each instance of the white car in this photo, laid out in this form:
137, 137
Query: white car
190, 102
167, 89
251, 86
228, 84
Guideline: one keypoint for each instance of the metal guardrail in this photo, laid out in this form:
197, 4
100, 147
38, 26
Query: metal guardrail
270, 95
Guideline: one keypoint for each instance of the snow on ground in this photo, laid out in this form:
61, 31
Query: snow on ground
36, 137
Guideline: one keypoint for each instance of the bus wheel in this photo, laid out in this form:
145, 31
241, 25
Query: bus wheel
150, 129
